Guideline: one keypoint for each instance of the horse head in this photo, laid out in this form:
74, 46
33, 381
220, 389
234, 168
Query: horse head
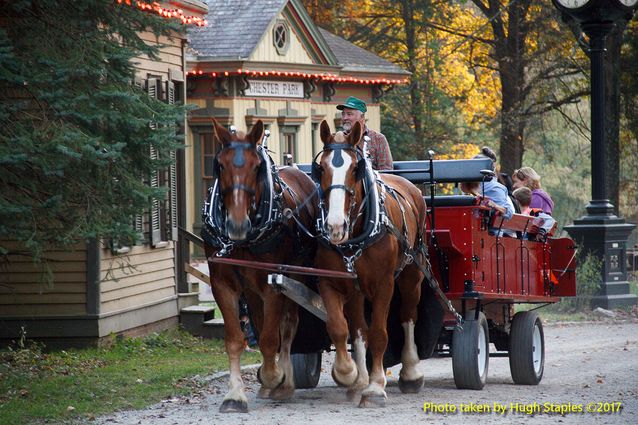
339, 171
237, 167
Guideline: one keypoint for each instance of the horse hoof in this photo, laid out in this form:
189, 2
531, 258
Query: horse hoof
411, 387
263, 393
281, 393
372, 400
234, 406
352, 394
345, 383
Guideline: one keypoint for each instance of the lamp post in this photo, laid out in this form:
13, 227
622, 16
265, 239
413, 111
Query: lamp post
600, 231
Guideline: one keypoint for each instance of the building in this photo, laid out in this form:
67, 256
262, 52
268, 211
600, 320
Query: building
97, 289
266, 60
262, 59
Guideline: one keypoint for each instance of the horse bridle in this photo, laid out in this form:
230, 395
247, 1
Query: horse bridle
337, 161
239, 160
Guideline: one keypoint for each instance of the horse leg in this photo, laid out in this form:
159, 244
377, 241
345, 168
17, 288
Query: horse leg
344, 369
288, 329
410, 378
228, 302
374, 394
270, 375
358, 339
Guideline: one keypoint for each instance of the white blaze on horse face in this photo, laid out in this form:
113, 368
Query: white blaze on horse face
337, 220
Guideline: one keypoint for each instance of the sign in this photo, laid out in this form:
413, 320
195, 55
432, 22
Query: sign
265, 88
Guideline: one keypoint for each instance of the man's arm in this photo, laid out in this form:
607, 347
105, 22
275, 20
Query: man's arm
384, 156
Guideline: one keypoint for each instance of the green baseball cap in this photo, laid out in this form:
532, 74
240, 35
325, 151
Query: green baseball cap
353, 103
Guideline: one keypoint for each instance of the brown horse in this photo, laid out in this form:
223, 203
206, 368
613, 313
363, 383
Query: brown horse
252, 213
375, 228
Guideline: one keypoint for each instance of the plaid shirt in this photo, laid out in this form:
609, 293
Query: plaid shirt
378, 150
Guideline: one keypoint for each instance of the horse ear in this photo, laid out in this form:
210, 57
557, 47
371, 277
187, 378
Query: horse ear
355, 135
325, 132
256, 135
223, 135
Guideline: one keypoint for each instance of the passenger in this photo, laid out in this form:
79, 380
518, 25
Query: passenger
353, 110
493, 189
527, 177
506, 180
543, 224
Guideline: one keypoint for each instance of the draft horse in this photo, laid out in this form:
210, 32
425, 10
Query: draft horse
256, 212
372, 224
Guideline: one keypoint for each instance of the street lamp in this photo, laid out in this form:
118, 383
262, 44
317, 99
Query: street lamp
600, 231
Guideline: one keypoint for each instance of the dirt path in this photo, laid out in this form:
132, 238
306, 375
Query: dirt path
586, 366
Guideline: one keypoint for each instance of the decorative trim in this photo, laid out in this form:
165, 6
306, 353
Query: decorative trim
309, 87
328, 91
267, 119
291, 121
377, 93
93, 276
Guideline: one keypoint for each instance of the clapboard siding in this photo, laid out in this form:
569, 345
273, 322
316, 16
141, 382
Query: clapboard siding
266, 51
170, 56
142, 276
42, 288
41, 310
139, 299
28, 289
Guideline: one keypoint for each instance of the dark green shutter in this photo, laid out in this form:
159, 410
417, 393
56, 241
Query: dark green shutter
170, 98
155, 227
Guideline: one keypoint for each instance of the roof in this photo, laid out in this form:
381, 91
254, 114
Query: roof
353, 58
234, 27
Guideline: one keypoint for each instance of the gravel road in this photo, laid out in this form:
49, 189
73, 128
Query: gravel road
588, 366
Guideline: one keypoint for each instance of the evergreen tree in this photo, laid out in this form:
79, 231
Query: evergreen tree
77, 132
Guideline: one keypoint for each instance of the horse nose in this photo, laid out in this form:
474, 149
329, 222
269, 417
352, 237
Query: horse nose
238, 231
337, 232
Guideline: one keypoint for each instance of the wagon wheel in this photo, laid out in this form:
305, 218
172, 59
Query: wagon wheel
306, 369
527, 348
470, 353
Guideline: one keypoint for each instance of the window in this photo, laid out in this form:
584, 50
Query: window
209, 148
288, 144
281, 36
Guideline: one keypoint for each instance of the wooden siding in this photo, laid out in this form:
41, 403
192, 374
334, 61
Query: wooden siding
144, 275
266, 51
170, 56
28, 290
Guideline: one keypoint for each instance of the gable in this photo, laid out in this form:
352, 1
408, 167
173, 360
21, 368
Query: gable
270, 48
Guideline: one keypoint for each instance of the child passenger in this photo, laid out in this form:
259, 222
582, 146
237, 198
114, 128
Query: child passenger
543, 223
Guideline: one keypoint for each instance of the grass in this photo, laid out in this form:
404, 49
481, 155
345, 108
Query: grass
67, 386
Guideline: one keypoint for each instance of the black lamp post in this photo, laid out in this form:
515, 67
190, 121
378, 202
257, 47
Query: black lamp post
600, 231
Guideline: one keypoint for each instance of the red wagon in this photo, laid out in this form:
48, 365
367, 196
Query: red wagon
477, 277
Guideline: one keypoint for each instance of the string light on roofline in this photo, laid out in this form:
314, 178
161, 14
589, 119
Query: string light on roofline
166, 13
316, 76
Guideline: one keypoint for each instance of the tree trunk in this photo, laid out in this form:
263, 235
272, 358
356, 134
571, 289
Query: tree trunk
416, 107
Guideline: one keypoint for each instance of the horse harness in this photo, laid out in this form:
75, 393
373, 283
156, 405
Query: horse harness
376, 224
372, 208
270, 214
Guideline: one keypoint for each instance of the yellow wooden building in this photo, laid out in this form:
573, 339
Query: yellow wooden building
263, 59
97, 290
267, 60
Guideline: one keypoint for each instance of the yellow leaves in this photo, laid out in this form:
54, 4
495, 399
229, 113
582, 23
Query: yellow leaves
461, 151
462, 74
